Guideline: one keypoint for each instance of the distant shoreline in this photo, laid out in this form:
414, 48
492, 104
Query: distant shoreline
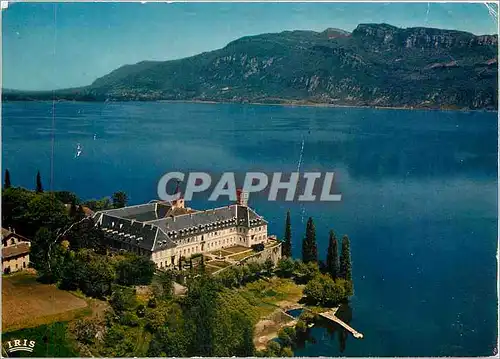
327, 105
282, 104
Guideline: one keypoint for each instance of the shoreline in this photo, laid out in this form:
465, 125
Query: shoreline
281, 104
324, 105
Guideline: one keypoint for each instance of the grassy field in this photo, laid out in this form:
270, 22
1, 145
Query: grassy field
50, 341
211, 269
236, 249
27, 303
220, 264
267, 301
222, 252
242, 255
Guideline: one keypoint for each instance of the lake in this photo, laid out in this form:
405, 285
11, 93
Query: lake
419, 198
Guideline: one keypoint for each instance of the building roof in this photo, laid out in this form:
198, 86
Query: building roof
15, 250
158, 225
86, 210
7, 233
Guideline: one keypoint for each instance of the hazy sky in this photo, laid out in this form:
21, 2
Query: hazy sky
58, 45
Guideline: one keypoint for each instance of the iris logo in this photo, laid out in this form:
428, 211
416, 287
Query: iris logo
17, 345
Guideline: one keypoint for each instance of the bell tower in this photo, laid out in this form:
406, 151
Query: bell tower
178, 203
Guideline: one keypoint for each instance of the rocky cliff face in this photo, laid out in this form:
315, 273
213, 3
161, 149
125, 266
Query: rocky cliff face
375, 65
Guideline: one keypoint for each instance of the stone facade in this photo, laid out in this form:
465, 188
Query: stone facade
169, 231
15, 252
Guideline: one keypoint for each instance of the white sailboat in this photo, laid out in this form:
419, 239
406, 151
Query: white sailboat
78, 150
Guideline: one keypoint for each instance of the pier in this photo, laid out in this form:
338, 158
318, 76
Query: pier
331, 316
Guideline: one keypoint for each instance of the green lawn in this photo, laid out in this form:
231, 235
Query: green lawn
220, 264
50, 341
237, 249
265, 296
241, 256
221, 252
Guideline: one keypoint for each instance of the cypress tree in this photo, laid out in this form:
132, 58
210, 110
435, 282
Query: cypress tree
332, 257
247, 346
7, 180
39, 187
201, 266
309, 248
73, 210
345, 260
80, 213
286, 249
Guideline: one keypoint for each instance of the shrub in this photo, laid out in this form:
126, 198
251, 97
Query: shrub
322, 289
130, 319
141, 311
285, 268
152, 302
259, 247
85, 330
301, 326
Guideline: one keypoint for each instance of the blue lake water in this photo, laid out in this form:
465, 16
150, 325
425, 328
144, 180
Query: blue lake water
419, 198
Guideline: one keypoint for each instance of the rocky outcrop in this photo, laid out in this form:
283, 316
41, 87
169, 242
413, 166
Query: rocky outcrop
375, 65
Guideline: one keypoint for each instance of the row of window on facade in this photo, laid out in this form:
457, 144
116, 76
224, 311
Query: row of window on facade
7, 268
213, 234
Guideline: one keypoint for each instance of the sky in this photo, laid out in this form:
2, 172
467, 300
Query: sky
59, 45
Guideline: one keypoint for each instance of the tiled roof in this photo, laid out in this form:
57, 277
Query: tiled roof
86, 210
16, 250
5, 232
157, 225
143, 212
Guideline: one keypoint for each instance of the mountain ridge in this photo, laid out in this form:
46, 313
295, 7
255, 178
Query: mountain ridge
374, 65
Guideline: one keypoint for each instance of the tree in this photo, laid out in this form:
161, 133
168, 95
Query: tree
66, 196
345, 260
73, 273
286, 248
47, 255
227, 278
309, 247
163, 285
247, 347
323, 290
80, 214
85, 234
99, 204
119, 199
44, 210
85, 330
14, 208
273, 349
201, 302
122, 299
39, 187
201, 266
285, 268
168, 323
7, 180
268, 268
73, 209
332, 257
99, 273
135, 270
